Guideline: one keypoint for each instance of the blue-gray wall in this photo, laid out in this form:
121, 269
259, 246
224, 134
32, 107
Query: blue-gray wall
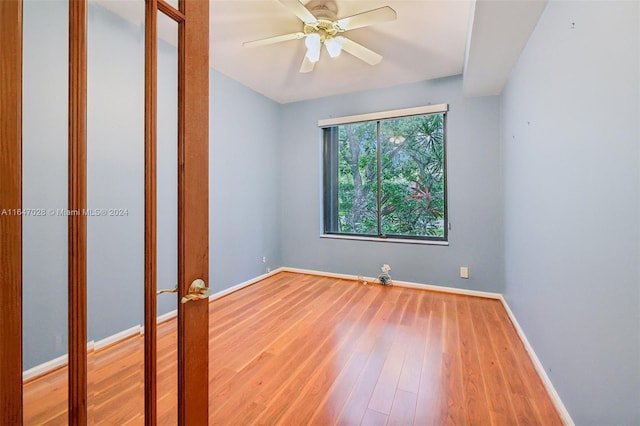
244, 184
115, 172
44, 156
474, 190
570, 145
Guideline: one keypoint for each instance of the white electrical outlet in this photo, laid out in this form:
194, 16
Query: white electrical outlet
464, 272
264, 259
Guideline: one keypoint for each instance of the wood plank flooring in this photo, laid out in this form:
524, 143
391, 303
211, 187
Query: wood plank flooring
298, 349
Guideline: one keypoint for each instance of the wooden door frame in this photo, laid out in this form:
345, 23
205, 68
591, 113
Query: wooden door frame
193, 210
77, 308
11, 223
193, 139
193, 214
150, 212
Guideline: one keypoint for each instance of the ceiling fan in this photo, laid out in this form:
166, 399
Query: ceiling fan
321, 27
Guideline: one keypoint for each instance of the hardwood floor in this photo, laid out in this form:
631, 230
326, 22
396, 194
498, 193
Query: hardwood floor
299, 349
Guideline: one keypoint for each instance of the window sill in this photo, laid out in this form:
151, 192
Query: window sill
385, 240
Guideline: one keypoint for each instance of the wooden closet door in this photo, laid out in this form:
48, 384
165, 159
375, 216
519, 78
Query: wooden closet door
192, 216
192, 18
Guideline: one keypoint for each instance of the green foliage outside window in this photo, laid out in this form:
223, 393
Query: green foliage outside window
390, 178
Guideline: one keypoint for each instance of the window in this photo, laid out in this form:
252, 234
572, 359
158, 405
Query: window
385, 175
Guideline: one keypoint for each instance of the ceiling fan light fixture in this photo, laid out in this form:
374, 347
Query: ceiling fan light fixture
334, 46
313, 55
321, 26
313, 44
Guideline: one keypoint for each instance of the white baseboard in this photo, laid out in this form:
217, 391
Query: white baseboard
242, 285
397, 283
45, 367
551, 390
115, 338
166, 317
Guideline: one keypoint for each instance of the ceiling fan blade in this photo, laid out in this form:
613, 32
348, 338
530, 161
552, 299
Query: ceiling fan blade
364, 19
359, 51
300, 11
272, 40
307, 65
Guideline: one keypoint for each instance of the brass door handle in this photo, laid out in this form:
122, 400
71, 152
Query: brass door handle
167, 290
198, 290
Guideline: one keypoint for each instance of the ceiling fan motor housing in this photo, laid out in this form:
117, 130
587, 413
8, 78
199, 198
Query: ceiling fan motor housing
321, 28
323, 9
326, 29
326, 13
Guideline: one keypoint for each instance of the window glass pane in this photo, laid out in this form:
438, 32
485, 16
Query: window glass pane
45, 125
167, 219
412, 167
357, 178
115, 198
386, 178
174, 3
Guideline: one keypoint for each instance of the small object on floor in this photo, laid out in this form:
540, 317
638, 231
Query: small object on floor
384, 277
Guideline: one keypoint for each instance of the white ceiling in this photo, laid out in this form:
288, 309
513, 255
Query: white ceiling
426, 41
481, 39
498, 33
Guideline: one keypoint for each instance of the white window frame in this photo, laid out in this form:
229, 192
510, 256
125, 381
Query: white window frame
376, 116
